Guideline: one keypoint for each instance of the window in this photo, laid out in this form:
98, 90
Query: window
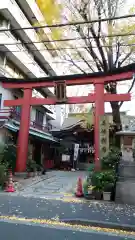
17, 108
39, 117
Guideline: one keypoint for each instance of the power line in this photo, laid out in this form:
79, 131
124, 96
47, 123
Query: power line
70, 39
70, 23
65, 48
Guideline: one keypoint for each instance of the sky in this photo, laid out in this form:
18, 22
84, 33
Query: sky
123, 88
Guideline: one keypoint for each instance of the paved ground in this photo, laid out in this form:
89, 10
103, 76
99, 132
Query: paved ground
51, 209
56, 183
48, 200
15, 231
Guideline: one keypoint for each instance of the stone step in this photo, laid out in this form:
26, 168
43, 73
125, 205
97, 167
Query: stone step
125, 192
122, 179
126, 171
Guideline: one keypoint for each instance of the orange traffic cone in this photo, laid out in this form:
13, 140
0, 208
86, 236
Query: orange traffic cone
79, 190
10, 186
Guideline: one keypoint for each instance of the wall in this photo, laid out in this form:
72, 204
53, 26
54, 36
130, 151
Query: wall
59, 116
33, 114
9, 95
6, 95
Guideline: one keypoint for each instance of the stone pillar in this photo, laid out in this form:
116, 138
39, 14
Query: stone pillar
125, 186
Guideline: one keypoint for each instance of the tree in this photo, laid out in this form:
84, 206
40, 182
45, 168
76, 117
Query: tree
97, 52
51, 11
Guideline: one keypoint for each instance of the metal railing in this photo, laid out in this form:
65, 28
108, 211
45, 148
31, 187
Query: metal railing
12, 113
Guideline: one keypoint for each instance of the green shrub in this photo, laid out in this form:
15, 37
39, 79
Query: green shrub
100, 180
3, 175
111, 160
8, 153
96, 180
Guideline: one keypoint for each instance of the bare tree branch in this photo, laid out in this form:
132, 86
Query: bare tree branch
117, 53
91, 51
74, 63
86, 62
125, 58
97, 40
129, 90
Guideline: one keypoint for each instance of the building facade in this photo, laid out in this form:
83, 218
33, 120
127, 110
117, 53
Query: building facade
24, 54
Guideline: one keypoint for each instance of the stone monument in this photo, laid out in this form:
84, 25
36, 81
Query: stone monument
125, 186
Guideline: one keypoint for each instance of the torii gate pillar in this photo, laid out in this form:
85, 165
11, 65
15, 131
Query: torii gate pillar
22, 146
99, 111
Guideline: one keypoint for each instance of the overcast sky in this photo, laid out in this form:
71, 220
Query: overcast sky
127, 106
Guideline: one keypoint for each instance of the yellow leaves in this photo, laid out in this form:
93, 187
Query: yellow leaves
132, 10
128, 28
51, 12
56, 33
76, 226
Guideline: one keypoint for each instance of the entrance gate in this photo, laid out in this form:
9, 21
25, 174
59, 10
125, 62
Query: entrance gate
98, 97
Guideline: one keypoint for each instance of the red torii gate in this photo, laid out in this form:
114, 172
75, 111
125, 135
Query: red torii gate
98, 97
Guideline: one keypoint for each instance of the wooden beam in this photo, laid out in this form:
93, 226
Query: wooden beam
71, 82
42, 101
117, 97
70, 100
12, 103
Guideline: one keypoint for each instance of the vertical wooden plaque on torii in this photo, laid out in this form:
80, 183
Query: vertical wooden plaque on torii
60, 91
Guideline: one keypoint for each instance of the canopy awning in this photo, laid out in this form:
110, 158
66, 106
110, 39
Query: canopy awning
42, 135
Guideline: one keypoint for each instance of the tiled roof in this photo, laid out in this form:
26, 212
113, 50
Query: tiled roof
71, 122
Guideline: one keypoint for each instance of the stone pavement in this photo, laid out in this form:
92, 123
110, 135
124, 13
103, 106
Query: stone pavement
21, 182
54, 184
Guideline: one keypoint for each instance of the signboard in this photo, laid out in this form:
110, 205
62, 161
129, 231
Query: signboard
76, 149
65, 158
103, 136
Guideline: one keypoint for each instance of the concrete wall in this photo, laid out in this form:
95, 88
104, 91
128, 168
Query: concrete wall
9, 95
6, 95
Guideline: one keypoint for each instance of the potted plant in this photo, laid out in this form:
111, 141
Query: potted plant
96, 180
107, 191
108, 184
97, 192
